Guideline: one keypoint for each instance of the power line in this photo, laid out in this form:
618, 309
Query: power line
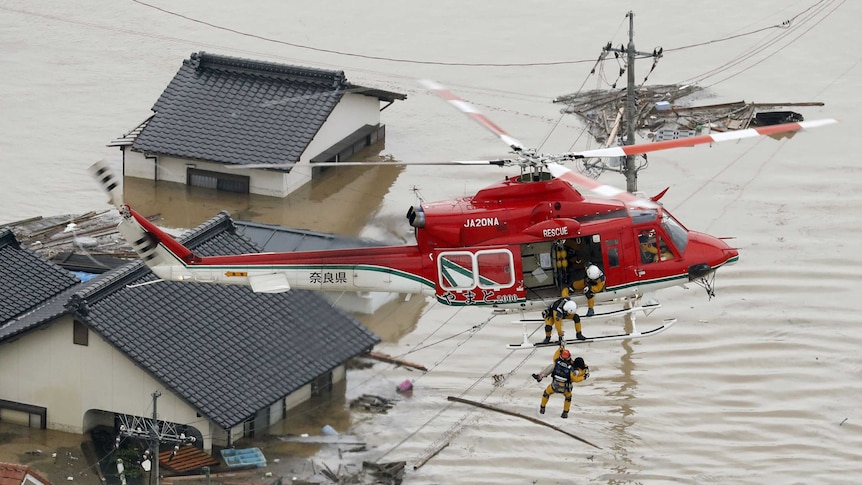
429, 62
353, 54
787, 27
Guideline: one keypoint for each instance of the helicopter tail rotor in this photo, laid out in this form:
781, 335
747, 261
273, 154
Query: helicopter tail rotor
102, 172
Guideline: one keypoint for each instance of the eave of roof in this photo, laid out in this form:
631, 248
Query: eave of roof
34, 279
232, 356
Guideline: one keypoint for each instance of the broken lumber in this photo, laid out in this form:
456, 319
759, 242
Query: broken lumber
393, 360
518, 415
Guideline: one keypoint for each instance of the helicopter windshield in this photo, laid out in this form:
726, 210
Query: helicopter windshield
674, 229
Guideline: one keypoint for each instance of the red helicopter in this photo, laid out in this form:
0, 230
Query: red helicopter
515, 245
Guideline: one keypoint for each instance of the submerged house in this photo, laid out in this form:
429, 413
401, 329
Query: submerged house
237, 125
224, 361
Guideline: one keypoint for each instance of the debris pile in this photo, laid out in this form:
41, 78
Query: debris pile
372, 403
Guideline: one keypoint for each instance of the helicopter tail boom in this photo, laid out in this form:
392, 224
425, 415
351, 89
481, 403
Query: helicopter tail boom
163, 254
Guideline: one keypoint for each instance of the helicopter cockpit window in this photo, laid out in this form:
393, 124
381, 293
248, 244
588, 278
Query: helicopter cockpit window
664, 251
648, 246
640, 216
653, 248
677, 233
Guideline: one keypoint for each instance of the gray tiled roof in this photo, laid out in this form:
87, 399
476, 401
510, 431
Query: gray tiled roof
26, 279
280, 239
225, 350
240, 111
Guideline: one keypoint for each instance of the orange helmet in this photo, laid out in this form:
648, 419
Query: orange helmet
565, 354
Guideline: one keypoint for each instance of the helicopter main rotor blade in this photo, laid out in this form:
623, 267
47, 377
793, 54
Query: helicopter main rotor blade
473, 112
367, 164
626, 150
582, 182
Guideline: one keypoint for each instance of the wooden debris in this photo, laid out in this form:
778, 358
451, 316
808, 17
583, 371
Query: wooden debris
528, 418
385, 473
598, 107
432, 455
373, 403
341, 439
188, 458
393, 360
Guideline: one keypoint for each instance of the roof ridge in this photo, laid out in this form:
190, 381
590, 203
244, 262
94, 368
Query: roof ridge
203, 60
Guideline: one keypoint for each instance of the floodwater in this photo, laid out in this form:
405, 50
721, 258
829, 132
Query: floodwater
758, 385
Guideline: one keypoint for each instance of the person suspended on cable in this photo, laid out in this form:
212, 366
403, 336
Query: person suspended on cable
594, 283
564, 371
559, 310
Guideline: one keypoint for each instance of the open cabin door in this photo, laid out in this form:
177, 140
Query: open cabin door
549, 267
479, 276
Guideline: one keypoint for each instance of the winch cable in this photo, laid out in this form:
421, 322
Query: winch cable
455, 428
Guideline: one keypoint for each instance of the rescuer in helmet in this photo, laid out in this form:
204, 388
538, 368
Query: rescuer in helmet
594, 283
564, 372
558, 311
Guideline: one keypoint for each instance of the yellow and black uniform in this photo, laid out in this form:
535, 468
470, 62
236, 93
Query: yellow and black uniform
558, 311
649, 252
594, 283
564, 373
577, 272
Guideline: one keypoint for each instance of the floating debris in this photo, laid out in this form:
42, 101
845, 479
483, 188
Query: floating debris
385, 473
393, 360
369, 402
405, 386
662, 112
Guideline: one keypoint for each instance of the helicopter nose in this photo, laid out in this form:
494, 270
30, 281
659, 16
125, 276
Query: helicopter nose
713, 251
731, 256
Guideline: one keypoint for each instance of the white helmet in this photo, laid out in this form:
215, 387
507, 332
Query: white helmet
593, 272
570, 307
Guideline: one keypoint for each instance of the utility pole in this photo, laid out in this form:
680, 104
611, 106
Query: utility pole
154, 441
631, 101
154, 434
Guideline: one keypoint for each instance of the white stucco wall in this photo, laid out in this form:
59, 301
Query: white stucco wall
45, 368
351, 113
301, 395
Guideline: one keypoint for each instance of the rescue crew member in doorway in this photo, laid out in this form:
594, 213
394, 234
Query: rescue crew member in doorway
564, 372
594, 283
554, 315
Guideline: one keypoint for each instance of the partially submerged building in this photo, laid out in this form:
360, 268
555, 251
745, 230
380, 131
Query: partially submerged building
237, 124
225, 361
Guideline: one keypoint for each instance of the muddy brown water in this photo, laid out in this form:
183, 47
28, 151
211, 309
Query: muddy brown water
758, 385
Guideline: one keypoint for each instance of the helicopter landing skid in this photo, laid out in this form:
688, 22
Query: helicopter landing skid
666, 324
647, 309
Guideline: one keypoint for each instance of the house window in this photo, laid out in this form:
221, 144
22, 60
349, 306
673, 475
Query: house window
248, 428
80, 333
225, 182
321, 384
